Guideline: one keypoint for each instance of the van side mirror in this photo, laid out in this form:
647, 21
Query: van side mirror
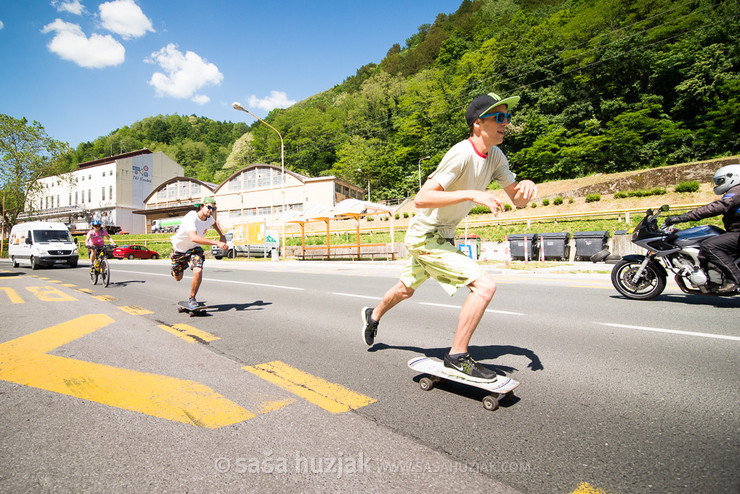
29, 241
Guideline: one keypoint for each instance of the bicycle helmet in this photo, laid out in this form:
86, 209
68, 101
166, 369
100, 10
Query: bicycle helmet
726, 178
96, 223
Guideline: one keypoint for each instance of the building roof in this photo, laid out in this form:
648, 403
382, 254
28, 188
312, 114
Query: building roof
113, 158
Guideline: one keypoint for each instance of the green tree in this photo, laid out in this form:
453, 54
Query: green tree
27, 154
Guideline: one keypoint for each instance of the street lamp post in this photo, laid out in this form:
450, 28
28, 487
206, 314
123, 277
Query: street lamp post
420, 160
239, 107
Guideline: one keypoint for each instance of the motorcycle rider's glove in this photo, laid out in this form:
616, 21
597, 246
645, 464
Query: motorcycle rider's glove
672, 220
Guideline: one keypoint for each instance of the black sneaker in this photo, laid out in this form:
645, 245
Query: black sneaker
369, 327
467, 368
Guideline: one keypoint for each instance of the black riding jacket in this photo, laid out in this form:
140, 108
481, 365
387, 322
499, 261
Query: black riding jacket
728, 206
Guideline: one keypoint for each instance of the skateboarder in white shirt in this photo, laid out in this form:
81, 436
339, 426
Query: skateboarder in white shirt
187, 241
459, 182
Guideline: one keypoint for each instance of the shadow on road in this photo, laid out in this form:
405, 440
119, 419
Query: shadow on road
480, 353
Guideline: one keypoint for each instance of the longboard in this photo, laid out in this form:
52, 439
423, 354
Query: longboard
182, 306
501, 388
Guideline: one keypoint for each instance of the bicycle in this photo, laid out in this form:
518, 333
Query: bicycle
100, 267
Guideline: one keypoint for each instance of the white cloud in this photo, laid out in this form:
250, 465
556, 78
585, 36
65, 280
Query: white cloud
277, 99
70, 6
184, 75
2, 25
70, 43
125, 18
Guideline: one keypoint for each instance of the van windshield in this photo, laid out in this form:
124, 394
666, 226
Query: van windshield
51, 236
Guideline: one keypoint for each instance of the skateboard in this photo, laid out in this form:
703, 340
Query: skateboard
182, 306
501, 388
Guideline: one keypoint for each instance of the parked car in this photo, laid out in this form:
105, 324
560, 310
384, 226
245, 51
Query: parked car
271, 243
134, 252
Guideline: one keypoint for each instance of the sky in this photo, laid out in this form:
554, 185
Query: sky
84, 68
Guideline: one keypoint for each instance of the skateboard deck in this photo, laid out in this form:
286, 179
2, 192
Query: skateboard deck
182, 306
501, 389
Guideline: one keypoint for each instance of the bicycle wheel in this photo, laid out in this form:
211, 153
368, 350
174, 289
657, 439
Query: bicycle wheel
94, 275
105, 272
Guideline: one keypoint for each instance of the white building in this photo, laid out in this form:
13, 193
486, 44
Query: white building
255, 193
108, 189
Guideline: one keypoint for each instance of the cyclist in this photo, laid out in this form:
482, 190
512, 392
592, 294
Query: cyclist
95, 240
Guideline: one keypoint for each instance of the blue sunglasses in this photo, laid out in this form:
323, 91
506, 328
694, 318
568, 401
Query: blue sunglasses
501, 117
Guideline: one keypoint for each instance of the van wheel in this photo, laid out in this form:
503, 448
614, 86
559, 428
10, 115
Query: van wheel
72, 264
15, 263
231, 254
34, 264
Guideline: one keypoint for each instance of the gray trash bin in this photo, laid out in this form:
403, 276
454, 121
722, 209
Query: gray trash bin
589, 243
516, 245
554, 245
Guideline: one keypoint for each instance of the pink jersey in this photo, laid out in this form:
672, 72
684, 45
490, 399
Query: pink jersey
93, 240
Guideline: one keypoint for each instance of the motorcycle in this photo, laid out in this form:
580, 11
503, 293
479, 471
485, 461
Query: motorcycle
643, 277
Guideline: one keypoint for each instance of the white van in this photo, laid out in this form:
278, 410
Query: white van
42, 243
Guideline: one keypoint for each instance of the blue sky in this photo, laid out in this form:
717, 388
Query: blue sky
84, 68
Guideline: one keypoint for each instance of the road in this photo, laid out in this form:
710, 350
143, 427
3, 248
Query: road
619, 395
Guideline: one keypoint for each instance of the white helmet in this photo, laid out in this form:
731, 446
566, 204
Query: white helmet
726, 178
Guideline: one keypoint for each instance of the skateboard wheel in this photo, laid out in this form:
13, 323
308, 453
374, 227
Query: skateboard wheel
426, 384
490, 403
507, 397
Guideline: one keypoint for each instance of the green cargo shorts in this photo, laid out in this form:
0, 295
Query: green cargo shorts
433, 256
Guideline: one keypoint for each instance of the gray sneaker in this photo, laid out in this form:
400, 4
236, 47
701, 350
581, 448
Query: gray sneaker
369, 327
466, 368
193, 304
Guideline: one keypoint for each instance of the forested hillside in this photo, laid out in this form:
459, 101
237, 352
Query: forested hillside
606, 86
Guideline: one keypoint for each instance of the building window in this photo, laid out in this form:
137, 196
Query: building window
102, 194
184, 190
251, 179
162, 194
263, 177
235, 185
89, 195
110, 193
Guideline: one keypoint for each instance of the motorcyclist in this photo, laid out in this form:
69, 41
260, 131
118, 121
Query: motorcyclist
724, 248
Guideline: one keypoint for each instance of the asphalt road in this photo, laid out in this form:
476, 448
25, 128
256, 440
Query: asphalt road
620, 395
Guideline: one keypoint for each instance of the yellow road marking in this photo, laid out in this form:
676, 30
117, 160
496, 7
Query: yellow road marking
25, 361
50, 294
69, 285
135, 310
104, 298
84, 290
189, 333
586, 488
329, 396
271, 406
12, 295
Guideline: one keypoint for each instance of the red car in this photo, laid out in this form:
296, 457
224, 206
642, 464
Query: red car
134, 252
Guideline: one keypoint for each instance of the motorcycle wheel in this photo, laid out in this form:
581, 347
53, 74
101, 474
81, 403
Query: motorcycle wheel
650, 285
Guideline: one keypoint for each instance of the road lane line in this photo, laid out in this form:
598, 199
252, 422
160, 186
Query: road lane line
135, 310
334, 398
189, 333
356, 296
265, 285
672, 331
449, 306
12, 295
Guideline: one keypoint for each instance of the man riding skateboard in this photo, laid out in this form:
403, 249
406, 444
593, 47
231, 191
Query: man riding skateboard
187, 241
459, 182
